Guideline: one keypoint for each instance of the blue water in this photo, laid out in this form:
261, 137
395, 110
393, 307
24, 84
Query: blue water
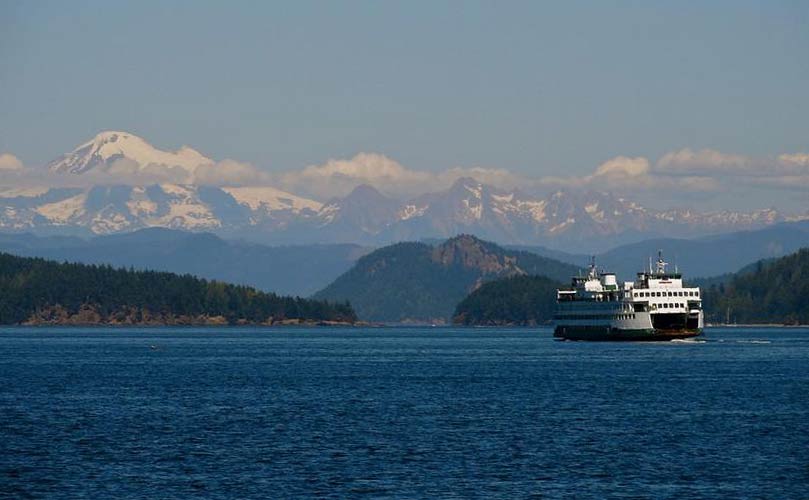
400, 413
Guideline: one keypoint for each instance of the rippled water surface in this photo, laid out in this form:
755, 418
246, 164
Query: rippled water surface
401, 412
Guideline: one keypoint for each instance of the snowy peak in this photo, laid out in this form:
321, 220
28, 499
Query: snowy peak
467, 185
268, 199
469, 202
364, 208
112, 148
363, 199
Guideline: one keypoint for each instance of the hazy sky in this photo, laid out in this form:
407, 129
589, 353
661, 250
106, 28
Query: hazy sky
541, 89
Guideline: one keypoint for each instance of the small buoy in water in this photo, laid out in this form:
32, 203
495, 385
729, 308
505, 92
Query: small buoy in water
153, 347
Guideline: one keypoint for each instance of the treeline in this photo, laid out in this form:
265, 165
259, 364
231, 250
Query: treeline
519, 300
29, 286
775, 291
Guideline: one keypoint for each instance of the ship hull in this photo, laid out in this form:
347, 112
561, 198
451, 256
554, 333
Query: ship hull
606, 333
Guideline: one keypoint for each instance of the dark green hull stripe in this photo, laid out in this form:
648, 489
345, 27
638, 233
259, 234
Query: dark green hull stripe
606, 333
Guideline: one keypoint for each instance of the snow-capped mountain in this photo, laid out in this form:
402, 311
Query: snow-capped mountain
267, 200
584, 221
118, 208
581, 220
364, 211
113, 209
565, 218
108, 148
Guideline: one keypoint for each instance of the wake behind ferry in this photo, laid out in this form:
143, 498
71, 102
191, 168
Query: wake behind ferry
656, 306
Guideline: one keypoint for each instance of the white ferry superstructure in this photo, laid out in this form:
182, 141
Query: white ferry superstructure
656, 306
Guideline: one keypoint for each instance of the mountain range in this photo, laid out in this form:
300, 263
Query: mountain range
702, 257
571, 220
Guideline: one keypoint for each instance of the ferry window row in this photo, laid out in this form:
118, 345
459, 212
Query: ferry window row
667, 294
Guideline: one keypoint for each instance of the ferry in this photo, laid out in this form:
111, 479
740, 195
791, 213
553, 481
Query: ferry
656, 306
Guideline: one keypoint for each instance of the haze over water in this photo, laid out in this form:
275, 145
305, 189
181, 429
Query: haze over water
401, 412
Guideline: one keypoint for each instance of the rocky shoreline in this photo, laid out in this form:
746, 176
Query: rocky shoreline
88, 315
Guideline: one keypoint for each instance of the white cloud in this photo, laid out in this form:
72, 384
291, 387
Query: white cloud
622, 168
703, 162
687, 170
684, 171
368, 166
673, 176
128, 172
711, 163
10, 162
493, 176
230, 173
797, 161
619, 173
338, 177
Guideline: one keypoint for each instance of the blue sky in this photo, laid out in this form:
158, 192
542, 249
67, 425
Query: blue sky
537, 88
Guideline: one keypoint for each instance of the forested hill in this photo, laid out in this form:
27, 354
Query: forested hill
420, 282
518, 300
777, 291
38, 291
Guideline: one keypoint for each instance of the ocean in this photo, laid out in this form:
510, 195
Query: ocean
239, 413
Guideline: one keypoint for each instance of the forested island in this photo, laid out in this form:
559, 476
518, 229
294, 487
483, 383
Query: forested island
774, 291
35, 291
518, 300
422, 283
